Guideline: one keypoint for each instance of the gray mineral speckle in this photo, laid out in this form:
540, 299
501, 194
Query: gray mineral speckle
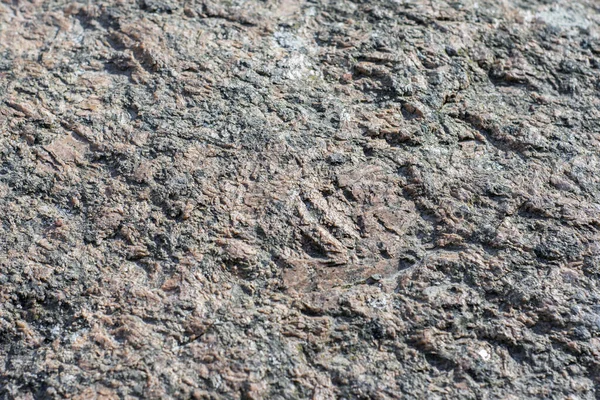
293, 199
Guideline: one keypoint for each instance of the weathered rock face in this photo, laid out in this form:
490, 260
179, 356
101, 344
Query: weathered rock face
299, 199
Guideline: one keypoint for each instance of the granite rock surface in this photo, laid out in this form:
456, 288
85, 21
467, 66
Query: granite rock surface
292, 199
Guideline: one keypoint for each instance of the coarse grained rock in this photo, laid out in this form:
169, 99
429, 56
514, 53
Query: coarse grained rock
299, 199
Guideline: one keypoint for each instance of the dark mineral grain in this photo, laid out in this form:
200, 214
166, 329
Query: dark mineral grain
300, 199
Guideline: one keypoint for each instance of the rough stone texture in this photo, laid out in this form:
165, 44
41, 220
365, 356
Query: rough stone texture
299, 199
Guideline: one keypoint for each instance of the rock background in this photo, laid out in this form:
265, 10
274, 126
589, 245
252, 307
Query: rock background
299, 199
